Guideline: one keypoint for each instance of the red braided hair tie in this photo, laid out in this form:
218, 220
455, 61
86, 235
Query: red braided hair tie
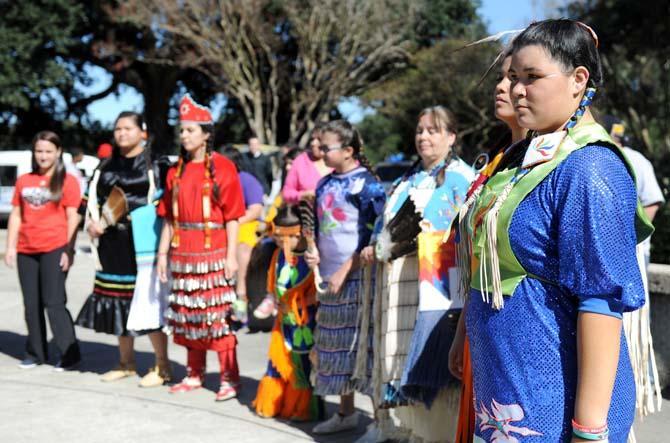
591, 31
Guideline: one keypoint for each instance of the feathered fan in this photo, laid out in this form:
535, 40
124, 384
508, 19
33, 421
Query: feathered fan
399, 235
114, 208
307, 222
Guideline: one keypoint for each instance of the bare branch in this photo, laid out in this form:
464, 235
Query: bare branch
269, 53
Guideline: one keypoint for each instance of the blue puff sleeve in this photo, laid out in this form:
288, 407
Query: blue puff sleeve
595, 202
370, 204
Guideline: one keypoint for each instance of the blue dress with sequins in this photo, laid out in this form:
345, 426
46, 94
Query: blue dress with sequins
575, 231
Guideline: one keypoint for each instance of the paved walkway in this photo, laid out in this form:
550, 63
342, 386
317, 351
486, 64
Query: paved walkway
40, 405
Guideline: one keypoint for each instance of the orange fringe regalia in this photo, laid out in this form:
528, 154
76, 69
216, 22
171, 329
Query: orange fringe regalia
285, 390
466, 412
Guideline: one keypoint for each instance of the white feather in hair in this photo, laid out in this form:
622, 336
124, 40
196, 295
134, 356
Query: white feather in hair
494, 38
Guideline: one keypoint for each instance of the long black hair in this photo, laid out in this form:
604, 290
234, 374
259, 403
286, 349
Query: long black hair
234, 156
288, 215
569, 42
291, 155
58, 176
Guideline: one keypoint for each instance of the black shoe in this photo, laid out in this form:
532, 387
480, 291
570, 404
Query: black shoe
67, 364
29, 363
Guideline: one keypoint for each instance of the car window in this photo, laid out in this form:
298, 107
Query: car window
7, 175
388, 173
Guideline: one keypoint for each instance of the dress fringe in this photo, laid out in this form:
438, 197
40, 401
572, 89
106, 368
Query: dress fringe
398, 315
363, 365
336, 341
637, 329
268, 401
491, 284
464, 244
218, 297
427, 368
434, 425
280, 356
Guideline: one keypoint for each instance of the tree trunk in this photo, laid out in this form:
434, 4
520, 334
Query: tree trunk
157, 84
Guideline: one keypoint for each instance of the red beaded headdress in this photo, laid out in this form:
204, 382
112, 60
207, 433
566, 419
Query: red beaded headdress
191, 112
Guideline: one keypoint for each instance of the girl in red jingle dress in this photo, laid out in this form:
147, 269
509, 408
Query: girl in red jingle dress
202, 203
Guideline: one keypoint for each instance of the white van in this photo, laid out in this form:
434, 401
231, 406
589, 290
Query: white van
13, 164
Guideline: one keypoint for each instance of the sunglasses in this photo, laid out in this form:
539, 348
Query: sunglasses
326, 148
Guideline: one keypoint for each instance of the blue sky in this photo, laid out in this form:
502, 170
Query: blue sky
500, 15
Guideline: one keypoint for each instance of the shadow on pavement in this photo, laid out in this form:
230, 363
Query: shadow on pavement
248, 393
99, 358
13, 344
96, 357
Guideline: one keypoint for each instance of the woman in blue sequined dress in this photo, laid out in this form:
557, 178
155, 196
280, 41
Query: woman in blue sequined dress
552, 238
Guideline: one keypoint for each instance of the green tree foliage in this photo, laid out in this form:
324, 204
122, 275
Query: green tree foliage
133, 54
380, 137
636, 63
446, 19
440, 75
47, 48
34, 37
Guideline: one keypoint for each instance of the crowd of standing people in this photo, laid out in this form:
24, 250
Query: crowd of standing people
470, 305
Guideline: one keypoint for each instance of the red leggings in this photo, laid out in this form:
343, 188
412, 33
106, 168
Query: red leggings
197, 360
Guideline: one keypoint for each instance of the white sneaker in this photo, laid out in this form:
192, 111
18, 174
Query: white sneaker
266, 308
337, 423
240, 311
372, 435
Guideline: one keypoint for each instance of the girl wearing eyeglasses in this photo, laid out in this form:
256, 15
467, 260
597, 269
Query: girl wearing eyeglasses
348, 202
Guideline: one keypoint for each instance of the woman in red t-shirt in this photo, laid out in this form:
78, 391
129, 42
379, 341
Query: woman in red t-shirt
40, 236
202, 204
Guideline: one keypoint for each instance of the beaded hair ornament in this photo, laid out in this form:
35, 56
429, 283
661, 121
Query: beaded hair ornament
192, 112
489, 264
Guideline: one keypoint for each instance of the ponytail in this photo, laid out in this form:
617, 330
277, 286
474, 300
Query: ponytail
365, 162
349, 136
208, 160
57, 179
